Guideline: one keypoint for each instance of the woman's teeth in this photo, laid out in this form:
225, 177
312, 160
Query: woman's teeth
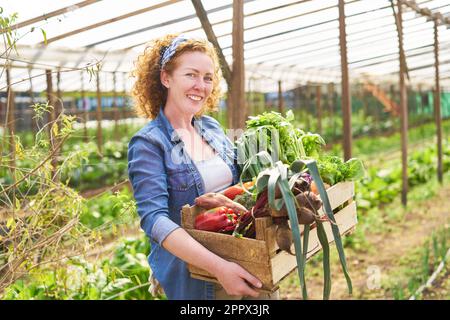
195, 98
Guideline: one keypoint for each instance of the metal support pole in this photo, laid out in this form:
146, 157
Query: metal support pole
115, 108
437, 103
346, 98
51, 122
237, 106
99, 115
280, 98
51, 102
84, 107
403, 108
319, 109
331, 105
11, 118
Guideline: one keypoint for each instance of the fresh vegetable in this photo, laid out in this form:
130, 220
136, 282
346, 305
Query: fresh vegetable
314, 187
273, 133
333, 169
283, 235
213, 200
246, 199
249, 185
233, 191
245, 226
312, 142
238, 189
308, 204
220, 219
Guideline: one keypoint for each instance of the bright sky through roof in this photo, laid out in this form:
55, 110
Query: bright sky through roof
296, 41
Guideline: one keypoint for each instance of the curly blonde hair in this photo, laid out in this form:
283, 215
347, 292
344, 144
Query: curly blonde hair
148, 92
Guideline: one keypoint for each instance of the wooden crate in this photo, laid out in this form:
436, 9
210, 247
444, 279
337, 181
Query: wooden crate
261, 256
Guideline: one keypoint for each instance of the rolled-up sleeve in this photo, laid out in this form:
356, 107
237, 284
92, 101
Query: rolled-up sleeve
148, 178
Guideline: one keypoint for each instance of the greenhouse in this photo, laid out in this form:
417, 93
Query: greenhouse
304, 146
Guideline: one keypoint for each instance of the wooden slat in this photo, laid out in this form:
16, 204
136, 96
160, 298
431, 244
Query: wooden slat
261, 271
211, 279
271, 242
339, 194
284, 263
188, 215
261, 225
227, 246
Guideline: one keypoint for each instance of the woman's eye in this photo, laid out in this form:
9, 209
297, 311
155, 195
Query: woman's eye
190, 75
208, 79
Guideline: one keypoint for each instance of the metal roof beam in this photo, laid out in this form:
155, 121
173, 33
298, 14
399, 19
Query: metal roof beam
318, 50
203, 17
166, 23
46, 16
395, 58
314, 25
230, 20
108, 21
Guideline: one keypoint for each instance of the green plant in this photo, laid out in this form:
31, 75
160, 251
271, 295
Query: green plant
109, 209
421, 265
124, 276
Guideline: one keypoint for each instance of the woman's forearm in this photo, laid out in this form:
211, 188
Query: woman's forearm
234, 279
183, 246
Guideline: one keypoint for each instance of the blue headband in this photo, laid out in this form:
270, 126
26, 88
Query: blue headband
171, 49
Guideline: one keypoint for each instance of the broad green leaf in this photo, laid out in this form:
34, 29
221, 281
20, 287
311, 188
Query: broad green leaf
297, 165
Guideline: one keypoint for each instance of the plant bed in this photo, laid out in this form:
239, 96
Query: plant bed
261, 256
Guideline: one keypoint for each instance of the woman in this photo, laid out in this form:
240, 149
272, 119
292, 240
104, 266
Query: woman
178, 156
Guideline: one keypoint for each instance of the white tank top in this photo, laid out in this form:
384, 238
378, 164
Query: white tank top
215, 173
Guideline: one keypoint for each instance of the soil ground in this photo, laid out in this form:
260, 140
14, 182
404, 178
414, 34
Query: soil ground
374, 270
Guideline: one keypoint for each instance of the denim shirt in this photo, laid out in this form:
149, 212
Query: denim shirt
164, 179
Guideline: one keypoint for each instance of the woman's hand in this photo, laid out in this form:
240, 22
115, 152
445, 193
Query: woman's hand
233, 278
236, 280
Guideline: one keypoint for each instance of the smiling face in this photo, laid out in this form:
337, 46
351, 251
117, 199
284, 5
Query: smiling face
190, 83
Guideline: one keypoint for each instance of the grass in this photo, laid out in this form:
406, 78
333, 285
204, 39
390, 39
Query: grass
379, 222
418, 264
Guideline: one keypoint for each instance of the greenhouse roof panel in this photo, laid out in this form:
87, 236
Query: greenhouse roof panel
293, 41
